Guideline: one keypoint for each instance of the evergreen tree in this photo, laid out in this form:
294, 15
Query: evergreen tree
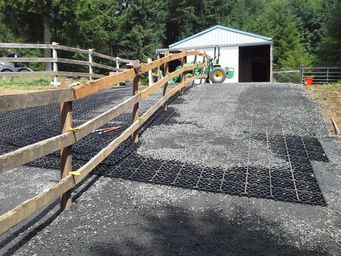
96, 21
330, 51
135, 28
140, 30
180, 20
36, 20
278, 22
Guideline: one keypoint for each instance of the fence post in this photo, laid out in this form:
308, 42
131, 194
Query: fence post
302, 73
66, 153
55, 64
150, 74
203, 69
135, 114
158, 69
117, 66
182, 76
195, 62
166, 71
91, 71
327, 75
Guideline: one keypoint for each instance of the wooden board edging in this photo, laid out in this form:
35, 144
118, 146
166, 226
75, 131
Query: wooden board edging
35, 99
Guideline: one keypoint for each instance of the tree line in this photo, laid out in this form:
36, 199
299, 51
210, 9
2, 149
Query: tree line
304, 31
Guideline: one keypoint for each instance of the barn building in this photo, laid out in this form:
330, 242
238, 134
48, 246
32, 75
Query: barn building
247, 56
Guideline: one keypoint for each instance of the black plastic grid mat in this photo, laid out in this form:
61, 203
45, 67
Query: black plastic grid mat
293, 181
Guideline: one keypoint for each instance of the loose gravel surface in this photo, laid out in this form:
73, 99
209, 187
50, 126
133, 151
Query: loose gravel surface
211, 127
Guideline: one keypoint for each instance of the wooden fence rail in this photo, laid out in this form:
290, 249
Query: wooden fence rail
70, 135
54, 47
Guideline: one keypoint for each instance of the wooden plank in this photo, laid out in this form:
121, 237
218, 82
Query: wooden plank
77, 74
204, 54
26, 74
336, 128
98, 65
61, 47
170, 57
149, 90
29, 207
59, 60
86, 63
29, 153
106, 82
66, 114
35, 99
70, 49
75, 62
27, 46
103, 56
47, 73
82, 91
28, 59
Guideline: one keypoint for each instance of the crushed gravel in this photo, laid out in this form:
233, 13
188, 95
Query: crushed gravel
122, 217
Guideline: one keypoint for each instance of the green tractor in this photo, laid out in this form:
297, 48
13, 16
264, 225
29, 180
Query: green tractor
215, 73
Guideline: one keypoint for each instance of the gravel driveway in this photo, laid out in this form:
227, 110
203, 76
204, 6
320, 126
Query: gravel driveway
259, 130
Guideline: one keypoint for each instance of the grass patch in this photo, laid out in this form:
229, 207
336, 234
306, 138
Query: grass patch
330, 97
325, 91
36, 83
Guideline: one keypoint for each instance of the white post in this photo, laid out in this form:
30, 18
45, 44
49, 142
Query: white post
91, 71
55, 64
150, 74
117, 66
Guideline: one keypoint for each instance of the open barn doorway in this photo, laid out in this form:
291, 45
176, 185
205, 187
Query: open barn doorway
254, 63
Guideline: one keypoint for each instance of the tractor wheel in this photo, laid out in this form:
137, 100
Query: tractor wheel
24, 70
217, 75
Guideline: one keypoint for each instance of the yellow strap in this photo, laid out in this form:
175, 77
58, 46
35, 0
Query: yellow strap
76, 173
75, 128
141, 118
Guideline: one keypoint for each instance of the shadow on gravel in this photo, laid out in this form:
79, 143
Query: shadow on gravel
40, 221
178, 232
43, 219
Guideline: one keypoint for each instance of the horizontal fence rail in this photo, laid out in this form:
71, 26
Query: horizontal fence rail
71, 135
54, 60
321, 75
315, 75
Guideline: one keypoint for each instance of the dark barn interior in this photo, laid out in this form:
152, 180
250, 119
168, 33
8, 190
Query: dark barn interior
254, 63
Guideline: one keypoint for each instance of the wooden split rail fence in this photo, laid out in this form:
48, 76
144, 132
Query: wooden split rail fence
70, 135
54, 60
